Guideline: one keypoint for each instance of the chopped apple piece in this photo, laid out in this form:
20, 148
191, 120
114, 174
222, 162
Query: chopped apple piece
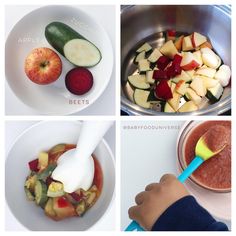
209, 82
187, 43
188, 61
188, 107
183, 76
210, 59
169, 49
178, 43
168, 108
198, 86
190, 73
172, 87
181, 87
191, 95
174, 102
223, 75
154, 55
206, 45
206, 71
198, 57
198, 39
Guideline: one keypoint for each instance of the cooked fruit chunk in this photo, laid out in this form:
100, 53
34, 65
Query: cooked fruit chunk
154, 55
198, 86
140, 98
210, 59
187, 43
189, 62
169, 49
206, 45
145, 47
188, 107
198, 57
55, 189
206, 71
178, 42
181, 87
209, 82
223, 75
198, 39
138, 81
43, 160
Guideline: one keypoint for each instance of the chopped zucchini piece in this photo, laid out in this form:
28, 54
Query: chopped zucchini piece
149, 75
191, 95
29, 195
214, 94
140, 56
46, 172
30, 182
80, 208
145, 47
140, 98
55, 189
143, 65
188, 107
40, 193
138, 81
154, 55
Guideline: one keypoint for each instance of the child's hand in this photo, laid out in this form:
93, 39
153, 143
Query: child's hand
156, 198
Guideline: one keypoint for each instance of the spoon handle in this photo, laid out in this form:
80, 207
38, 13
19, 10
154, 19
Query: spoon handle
195, 163
90, 135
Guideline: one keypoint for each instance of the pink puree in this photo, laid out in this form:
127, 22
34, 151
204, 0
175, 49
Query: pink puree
215, 172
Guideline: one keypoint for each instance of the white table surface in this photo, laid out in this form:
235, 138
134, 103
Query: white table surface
146, 154
105, 104
13, 130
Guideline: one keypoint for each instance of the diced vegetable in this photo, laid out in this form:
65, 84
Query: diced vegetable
49, 209
33, 165
143, 65
140, 56
183, 76
29, 195
145, 47
206, 71
209, 82
55, 189
40, 193
160, 75
155, 55
188, 107
76, 48
31, 182
169, 49
138, 81
163, 91
210, 59
181, 87
187, 44
191, 95
223, 75
162, 62
80, 208
178, 42
46, 172
149, 77
168, 108
174, 102
91, 197
140, 98
214, 94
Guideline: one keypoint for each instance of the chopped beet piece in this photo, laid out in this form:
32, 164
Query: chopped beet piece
162, 62
173, 70
49, 180
163, 90
77, 197
171, 33
160, 74
177, 59
33, 165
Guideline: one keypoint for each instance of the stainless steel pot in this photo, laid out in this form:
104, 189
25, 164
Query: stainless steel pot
146, 23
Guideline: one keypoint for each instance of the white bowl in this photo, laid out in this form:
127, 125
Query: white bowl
28, 33
40, 137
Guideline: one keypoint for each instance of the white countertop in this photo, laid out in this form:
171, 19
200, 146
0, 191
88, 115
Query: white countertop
13, 130
105, 104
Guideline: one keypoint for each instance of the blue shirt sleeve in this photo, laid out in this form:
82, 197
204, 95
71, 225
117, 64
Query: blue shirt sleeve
187, 215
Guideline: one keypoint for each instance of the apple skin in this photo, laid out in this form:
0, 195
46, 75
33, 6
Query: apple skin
43, 66
189, 62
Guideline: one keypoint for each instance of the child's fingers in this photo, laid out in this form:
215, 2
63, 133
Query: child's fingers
167, 177
140, 198
151, 186
134, 213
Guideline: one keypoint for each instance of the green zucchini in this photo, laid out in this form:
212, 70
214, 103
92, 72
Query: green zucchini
46, 172
140, 98
40, 193
72, 45
139, 57
28, 194
81, 208
138, 81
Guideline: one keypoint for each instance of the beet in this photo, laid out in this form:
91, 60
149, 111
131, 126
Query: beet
177, 59
162, 62
173, 70
160, 74
79, 80
163, 90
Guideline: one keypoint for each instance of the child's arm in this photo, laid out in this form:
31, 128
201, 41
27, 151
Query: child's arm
167, 206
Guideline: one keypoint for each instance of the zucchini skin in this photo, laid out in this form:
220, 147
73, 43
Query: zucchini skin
58, 34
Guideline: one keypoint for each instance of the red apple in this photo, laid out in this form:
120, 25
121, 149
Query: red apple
43, 66
188, 61
198, 39
178, 42
187, 44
